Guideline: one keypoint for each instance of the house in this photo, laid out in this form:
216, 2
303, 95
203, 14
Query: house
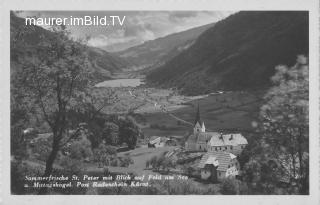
154, 141
215, 166
157, 141
171, 142
201, 140
233, 143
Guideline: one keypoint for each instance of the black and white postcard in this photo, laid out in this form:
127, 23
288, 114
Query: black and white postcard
118, 98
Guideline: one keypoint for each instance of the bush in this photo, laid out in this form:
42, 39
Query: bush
72, 166
18, 141
147, 164
18, 173
104, 153
111, 133
189, 171
81, 149
153, 161
114, 163
41, 149
106, 171
125, 161
229, 186
160, 162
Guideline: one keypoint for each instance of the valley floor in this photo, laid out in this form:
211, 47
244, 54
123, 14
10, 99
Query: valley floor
158, 111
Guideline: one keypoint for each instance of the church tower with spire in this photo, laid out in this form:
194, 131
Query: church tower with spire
198, 124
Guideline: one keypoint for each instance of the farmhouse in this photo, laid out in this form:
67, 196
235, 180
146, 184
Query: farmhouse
158, 141
233, 143
155, 141
201, 140
214, 166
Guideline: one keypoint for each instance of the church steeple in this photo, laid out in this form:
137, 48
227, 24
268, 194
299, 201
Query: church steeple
198, 124
198, 119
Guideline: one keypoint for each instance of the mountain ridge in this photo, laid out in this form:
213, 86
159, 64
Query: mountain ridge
159, 50
101, 63
239, 52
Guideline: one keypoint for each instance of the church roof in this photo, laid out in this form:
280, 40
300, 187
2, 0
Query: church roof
215, 139
221, 159
227, 140
201, 137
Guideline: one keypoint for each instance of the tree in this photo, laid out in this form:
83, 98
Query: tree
80, 149
104, 153
153, 162
90, 110
110, 133
72, 166
167, 163
53, 79
128, 132
18, 140
229, 186
285, 122
18, 103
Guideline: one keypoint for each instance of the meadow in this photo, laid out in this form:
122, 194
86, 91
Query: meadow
227, 112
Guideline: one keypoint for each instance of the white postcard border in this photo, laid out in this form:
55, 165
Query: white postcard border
311, 5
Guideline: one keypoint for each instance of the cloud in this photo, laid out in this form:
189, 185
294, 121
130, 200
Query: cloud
103, 40
139, 26
180, 15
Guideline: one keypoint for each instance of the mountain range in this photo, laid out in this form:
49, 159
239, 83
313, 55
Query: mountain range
239, 52
154, 52
101, 63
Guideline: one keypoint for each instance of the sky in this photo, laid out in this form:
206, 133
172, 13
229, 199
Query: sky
139, 26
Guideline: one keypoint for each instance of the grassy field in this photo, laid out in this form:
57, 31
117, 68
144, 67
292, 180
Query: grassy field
226, 111
232, 111
143, 154
139, 156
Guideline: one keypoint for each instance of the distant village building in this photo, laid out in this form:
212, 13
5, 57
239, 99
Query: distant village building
157, 141
201, 140
154, 141
160, 141
215, 166
233, 143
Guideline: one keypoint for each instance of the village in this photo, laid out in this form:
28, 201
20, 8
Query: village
203, 155
211, 155
197, 151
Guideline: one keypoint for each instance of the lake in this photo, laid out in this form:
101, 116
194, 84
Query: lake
130, 82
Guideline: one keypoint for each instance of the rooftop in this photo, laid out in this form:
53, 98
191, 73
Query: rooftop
227, 140
220, 159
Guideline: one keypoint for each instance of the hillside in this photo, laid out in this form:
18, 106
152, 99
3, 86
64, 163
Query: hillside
101, 63
105, 64
239, 52
154, 52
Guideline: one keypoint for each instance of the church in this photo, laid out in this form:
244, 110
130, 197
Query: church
200, 140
